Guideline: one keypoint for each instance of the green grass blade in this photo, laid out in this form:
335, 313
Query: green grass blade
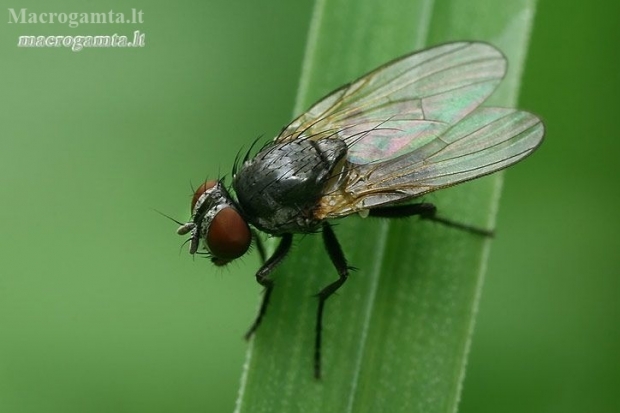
396, 336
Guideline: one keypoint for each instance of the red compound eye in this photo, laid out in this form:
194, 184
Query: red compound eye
229, 236
201, 190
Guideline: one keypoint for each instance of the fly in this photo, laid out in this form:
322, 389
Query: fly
409, 127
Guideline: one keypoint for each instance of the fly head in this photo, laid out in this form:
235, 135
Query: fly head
217, 223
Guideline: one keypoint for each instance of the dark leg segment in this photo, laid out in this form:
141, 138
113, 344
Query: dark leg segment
425, 211
337, 257
262, 277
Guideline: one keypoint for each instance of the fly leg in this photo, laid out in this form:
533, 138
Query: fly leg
262, 277
425, 211
337, 257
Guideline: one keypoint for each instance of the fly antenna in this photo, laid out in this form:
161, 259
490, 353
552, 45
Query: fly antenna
169, 217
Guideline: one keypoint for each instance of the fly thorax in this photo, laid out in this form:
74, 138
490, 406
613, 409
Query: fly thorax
279, 189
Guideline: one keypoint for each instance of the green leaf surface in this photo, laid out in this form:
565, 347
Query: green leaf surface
396, 335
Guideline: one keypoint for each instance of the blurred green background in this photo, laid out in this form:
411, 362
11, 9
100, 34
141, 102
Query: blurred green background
100, 309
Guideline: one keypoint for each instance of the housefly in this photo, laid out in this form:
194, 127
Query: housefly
410, 127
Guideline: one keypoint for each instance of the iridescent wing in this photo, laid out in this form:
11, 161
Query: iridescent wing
413, 126
404, 104
488, 140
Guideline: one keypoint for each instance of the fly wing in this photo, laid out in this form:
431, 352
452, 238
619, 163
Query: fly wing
486, 141
405, 104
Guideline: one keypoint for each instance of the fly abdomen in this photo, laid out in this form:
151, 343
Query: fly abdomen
279, 188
